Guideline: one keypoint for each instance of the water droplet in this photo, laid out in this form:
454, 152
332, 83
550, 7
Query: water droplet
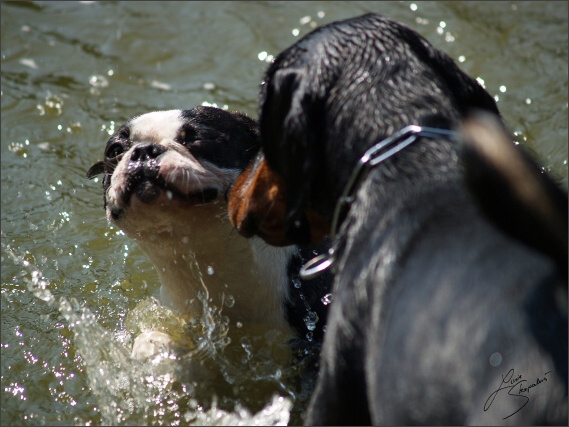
210, 270
310, 320
327, 299
160, 85
495, 359
296, 282
246, 344
98, 81
239, 325
29, 63
229, 301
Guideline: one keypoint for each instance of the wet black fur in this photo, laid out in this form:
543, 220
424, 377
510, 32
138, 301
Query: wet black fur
427, 287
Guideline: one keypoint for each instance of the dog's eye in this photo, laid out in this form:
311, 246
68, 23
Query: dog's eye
186, 136
114, 150
124, 133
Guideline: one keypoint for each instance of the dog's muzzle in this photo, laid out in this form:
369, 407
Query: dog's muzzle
143, 173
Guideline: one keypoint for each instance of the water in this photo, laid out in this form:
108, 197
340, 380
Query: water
74, 290
158, 391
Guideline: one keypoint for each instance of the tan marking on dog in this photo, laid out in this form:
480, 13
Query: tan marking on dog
257, 206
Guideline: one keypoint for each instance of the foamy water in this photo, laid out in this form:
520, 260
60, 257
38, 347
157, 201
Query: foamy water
131, 392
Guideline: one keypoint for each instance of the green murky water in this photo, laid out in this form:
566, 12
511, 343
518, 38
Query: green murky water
73, 71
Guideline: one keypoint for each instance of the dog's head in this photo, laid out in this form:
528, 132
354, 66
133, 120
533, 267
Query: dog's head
159, 164
325, 101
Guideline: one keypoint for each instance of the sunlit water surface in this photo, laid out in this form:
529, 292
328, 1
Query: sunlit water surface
75, 291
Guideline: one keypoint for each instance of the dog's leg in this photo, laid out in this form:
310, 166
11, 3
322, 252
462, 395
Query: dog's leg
340, 394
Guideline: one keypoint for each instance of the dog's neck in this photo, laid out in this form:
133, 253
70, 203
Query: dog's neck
392, 184
388, 222
379, 153
394, 205
246, 278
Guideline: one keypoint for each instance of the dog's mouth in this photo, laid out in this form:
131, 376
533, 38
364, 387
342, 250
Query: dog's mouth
145, 183
147, 188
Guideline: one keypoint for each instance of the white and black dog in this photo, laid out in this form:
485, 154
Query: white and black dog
166, 179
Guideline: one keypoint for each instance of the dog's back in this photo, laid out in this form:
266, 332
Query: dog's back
433, 308
467, 320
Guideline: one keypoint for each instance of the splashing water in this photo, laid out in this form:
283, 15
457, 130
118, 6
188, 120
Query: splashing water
130, 392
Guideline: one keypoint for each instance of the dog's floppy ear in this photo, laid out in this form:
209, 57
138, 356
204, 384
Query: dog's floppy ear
291, 123
97, 169
276, 104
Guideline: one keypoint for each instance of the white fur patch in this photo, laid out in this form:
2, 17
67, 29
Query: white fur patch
157, 126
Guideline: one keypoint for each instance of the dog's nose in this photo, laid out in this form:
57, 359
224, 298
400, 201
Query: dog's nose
146, 151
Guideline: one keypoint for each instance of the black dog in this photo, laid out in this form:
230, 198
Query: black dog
166, 179
440, 316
